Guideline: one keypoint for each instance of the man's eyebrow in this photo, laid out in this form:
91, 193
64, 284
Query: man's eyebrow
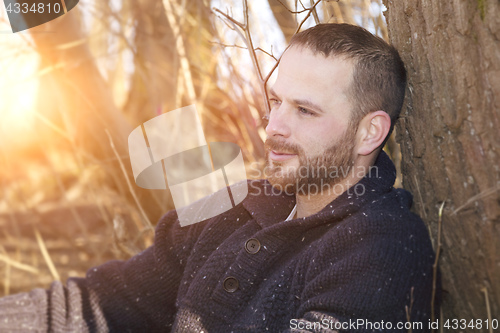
303, 102
309, 104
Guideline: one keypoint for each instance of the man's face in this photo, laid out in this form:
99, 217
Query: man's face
309, 140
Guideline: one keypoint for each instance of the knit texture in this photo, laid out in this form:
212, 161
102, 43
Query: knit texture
364, 256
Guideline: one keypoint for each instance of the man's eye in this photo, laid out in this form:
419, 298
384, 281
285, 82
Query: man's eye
274, 101
305, 111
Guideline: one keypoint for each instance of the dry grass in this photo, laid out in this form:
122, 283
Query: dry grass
40, 240
59, 212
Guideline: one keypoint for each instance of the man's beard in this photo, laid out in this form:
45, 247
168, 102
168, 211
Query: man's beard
324, 170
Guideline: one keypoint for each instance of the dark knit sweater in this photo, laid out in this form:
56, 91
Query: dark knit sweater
358, 258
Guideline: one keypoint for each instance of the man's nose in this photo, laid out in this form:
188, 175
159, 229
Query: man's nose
278, 125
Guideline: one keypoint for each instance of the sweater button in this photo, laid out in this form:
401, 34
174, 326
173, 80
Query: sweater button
230, 284
252, 246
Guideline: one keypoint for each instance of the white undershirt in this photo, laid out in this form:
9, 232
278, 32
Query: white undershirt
292, 214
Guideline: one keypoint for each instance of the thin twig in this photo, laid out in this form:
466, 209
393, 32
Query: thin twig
143, 213
181, 50
245, 48
247, 38
314, 12
227, 45
76, 217
488, 310
441, 320
311, 9
420, 196
435, 265
52, 126
269, 54
46, 255
278, 61
245, 34
18, 265
478, 196
6, 288
229, 18
294, 11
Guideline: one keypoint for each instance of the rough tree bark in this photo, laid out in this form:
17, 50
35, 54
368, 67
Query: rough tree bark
450, 140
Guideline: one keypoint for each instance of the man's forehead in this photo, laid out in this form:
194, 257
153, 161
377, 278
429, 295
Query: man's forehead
299, 63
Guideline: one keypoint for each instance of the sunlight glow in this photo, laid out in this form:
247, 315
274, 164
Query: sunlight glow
18, 88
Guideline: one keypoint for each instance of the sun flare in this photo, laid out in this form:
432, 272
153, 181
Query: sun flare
18, 88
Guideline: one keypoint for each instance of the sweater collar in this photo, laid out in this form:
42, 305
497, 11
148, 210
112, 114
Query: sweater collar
269, 206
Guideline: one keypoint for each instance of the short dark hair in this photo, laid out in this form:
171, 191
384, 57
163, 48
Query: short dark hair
379, 75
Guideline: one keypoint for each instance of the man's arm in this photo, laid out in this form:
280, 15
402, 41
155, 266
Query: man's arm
61, 308
136, 295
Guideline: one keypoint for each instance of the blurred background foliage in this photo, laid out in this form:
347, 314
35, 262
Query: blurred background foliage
105, 68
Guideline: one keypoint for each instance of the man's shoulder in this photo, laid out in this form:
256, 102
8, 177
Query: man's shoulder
389, 223
381, 220
393, 207
383, 232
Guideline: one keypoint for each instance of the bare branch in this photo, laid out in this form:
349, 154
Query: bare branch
488, 309
247, 38
278, 61
314, 12
145, 217
485, 193
229, 18
245, 14
435, 265
246, 48
307, 16
269, 54
294, 11
227, 45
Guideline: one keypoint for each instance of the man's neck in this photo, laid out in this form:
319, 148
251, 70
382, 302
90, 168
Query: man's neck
312, 203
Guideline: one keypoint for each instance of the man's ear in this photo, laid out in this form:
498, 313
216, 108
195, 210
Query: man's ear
372, 131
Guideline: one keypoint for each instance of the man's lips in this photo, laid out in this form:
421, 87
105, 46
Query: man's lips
280, 156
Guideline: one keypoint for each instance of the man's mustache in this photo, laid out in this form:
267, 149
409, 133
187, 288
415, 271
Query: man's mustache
282, 147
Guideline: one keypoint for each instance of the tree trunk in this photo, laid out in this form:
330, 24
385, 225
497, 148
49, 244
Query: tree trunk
83, 96
86, 104
450, 141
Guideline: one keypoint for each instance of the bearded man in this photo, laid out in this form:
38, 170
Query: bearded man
326, 244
